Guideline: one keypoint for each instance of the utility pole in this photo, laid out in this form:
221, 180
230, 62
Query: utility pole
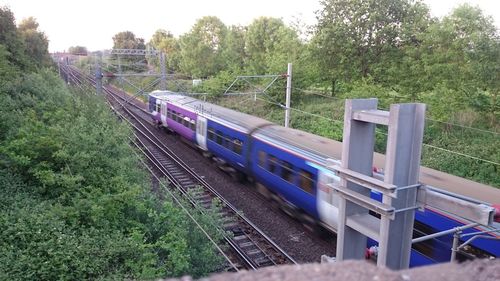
98, 75
288, 94
163, 69
119, 70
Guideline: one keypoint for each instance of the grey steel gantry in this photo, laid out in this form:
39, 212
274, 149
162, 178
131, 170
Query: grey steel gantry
393, 231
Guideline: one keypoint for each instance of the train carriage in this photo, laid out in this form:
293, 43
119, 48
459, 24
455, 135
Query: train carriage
227, 135
290, 167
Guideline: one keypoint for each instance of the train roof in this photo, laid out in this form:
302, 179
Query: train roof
320, 148
317, 147
159, 94
296, 139
211, 111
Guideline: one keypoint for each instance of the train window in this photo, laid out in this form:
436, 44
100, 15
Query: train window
237, 146
158, 107
287, 171
185, 122
211, 134
306, 181
273, 164
218, 136
169, 113
228, 142
193, 125
174, 115
262, 158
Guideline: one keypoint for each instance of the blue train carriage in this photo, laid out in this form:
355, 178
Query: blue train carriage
224, 133
288, 162
292, 164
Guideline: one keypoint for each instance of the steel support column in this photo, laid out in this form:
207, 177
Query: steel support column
402, 168
357, 155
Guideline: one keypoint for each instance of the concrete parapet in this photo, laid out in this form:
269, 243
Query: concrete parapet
484, 270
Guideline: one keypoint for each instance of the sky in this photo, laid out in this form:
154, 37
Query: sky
92, 23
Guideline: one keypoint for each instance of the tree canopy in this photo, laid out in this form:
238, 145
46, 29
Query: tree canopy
128, 40
78, 50
391, 49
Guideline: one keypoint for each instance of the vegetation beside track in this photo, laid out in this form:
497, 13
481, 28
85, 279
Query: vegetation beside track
76, 203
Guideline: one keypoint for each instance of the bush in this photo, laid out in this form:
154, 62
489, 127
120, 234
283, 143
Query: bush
76, 204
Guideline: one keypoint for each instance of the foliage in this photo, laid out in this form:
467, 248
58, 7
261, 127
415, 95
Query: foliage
356, 39
201, 48
75, 202
36, 42
14, 47
233, 54
165, 42
78, 50
217, 85
127, 40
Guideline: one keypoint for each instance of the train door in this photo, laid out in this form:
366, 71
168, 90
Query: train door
163, 113
327, 200
201, 132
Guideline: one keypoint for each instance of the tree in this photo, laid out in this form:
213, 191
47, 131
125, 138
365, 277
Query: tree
127, 40
457, 59
357, 38
476, 44
233, 52
78, 50
163, 40
77, 204
202, 46
263, 39
36, 42
11, 39
270, 45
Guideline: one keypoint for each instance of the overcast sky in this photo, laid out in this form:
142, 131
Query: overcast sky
92, 23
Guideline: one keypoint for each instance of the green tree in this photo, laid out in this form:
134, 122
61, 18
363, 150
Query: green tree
476, 50
78, 205
457, 60
270, 45
165, 41
233, 52
269, 42
358, 38
36, 42
127, 40
11, 39
202, 46
78, 50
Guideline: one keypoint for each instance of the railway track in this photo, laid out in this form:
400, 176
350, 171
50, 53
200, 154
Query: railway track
249, 247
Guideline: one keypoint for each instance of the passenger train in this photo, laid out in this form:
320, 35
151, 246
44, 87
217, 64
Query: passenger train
289, 168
